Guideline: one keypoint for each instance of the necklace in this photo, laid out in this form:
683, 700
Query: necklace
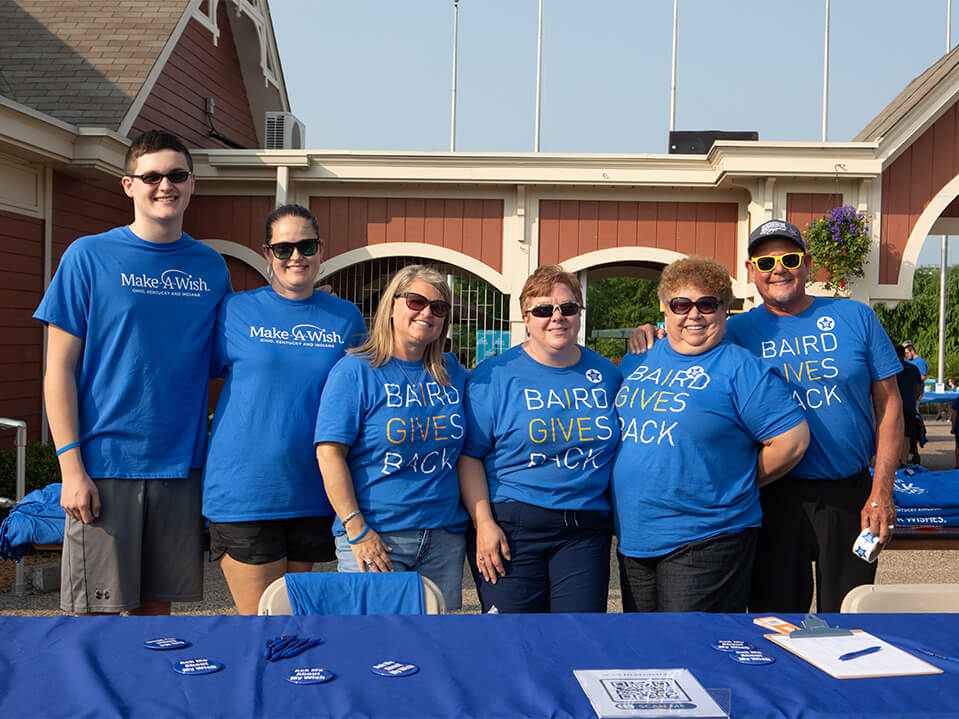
399, 363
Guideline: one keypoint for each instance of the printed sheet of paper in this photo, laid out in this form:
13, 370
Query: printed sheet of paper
824, 652
647, 693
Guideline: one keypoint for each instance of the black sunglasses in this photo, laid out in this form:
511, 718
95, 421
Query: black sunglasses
567, 309
682, 305
155, 178
418, 303
284, 250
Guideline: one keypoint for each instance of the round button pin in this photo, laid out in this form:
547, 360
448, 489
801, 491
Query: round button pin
731, 645
311, 675
394, 669
166, 643
189, 667
751, 656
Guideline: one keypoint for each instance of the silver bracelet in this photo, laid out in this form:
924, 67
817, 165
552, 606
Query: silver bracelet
348, 517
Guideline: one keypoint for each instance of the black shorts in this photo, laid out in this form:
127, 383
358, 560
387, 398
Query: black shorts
298, 539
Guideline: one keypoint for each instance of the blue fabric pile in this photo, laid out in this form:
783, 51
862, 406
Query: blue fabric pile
38, 518
355, 593
926, 499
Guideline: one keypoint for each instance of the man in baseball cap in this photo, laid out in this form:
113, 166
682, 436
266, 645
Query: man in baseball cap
840, 364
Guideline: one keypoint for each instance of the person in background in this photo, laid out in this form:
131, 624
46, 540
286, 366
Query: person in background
388, 432
704, 424
910, 390
130, 316
262, 491
541, 435
954, 424
840, 366
914, 358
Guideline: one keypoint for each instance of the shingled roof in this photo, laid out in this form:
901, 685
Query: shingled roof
82, 61
909, 98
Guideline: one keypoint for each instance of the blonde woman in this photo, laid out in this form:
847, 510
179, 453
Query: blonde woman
389, 431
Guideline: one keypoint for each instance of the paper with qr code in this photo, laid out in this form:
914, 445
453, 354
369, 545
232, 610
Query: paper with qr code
647, 693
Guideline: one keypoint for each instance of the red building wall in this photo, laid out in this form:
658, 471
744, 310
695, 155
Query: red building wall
803, 208
21, 336
568, 228
909, 183
471, 226
83, 206
195, 71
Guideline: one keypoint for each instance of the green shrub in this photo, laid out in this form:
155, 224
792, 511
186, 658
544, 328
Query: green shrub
42, 468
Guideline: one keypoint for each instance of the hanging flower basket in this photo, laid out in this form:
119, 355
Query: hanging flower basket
839, 243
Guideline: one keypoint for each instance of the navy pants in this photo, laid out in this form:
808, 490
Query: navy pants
711, 575
559, 561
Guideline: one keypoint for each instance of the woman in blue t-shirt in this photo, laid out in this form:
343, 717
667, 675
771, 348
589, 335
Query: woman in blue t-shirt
389, 430
541, 434
262, 491
704, 424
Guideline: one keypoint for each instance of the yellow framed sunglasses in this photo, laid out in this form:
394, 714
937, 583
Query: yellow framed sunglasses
767, 263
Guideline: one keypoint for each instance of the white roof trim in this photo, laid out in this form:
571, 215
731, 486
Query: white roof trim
140, 100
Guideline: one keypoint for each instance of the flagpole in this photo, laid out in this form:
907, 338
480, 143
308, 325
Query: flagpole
456, 18
825, 80
672, 80
944, 253
539, 77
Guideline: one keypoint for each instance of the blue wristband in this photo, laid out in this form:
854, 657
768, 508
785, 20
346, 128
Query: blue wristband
359, 536
67, 448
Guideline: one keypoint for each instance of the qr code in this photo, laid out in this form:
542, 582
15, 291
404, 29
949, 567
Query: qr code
644, 690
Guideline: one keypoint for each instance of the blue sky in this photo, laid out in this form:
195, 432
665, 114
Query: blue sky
376, 75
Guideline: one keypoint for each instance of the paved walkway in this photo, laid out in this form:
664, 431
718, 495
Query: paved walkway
919, 566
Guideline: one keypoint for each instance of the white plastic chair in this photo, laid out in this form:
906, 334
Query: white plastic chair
901, 599
276, 600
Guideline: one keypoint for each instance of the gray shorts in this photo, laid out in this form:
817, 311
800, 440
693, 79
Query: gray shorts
146, 545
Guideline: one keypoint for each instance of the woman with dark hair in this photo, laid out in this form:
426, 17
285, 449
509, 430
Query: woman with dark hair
541, 435
389, 430
262, 492
704, 424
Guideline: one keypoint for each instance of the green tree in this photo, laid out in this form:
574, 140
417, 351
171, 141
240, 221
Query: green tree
619, 302
917, 319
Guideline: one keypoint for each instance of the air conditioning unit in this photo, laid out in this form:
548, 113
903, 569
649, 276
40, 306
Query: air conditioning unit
284, 132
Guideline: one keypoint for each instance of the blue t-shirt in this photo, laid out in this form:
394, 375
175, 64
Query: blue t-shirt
145, 312
277, 353
405, 431
691, 427
546, 435
920, 364
829, 356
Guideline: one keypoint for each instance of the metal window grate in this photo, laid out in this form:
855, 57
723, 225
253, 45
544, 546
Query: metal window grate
479, 321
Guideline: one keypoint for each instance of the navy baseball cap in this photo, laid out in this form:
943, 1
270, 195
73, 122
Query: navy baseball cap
776, 228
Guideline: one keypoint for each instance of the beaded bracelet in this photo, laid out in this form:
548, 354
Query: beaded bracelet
359, 536
67, 448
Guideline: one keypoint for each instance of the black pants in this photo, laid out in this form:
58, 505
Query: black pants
804, 521
711, 575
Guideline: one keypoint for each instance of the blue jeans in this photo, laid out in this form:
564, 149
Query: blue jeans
559, 561
434, 553
711, 575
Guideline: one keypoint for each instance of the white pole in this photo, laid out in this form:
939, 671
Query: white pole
672, 80
825, 80
539, 77
944, 250
456, 19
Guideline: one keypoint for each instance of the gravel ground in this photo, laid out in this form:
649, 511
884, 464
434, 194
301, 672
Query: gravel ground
895, 566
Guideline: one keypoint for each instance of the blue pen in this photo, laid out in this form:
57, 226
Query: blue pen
857, 654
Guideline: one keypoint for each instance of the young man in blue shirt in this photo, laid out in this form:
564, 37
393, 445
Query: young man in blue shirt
841, 368
130, 315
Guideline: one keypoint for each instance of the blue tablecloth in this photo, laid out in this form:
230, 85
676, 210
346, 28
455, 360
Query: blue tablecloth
479, 666
939, 396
